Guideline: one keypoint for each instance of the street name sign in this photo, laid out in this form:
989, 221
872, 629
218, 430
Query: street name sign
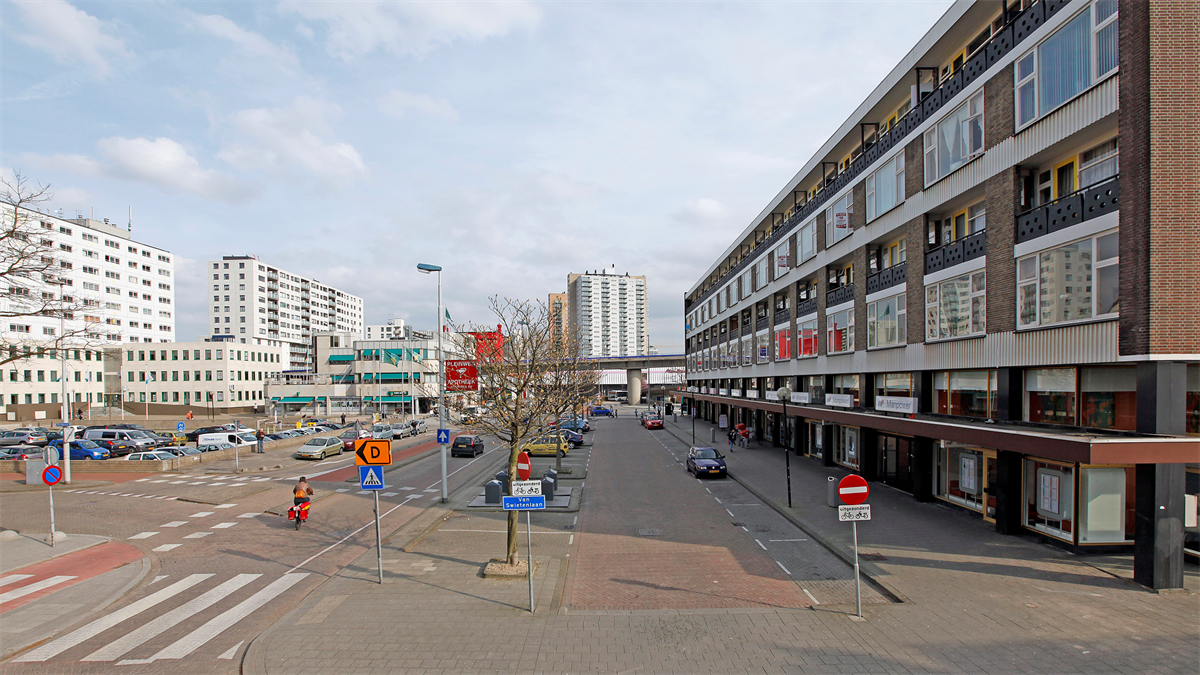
370, 477
62, 424
524, 503
51, 475
372, 452
443, 436
853, 489
854, 514
527, 488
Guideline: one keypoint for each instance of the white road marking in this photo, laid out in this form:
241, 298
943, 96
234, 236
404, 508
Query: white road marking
787, 540
174, 523
408, 488
143, 535
158, 579
33, 588
197, 535
12, 578
178, 482
729, 512
342, 490
109, 620
390, 494
165, 547
158, 481
716, 498
744, 528
760, 544
201, 514
222, 526
231, 651
136, 638
215, 484
226, 506
785, 570
192, 641
249, 515
340, 541
810, 596
571, 541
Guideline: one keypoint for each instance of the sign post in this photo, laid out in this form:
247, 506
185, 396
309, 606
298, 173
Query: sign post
50, 476
371, 455
527, 497
853, 490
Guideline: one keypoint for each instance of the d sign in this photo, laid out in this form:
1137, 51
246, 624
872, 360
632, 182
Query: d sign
371, 451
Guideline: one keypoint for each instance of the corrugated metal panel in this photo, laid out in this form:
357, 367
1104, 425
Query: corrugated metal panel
1087, 343
1091, 107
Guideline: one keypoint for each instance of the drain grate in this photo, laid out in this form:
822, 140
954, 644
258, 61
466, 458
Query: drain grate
872, 556
648, 533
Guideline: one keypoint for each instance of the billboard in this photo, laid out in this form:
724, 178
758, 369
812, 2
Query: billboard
461, 376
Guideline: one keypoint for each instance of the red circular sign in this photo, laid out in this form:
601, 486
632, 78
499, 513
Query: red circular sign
853, 489
523, 467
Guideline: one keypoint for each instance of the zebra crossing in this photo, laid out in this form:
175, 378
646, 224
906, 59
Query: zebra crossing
203, 606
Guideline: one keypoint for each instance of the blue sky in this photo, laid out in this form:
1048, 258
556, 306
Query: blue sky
510, 142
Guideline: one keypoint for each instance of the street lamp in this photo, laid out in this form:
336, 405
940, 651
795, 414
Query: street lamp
425, 268
785, 394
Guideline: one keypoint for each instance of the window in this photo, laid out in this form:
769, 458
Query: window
956, 307
1065, 64
1049, 498
764, 347
837, 221
959, 477
783, 344
806, 338
1069, 283
841, 331
747, 284
893, 384
886, 322
1050, 395
783, 259
954, 141
885, 188
968, 393
760, 273
845, 451
1108, 398
1099, 163
806, 241
747, 352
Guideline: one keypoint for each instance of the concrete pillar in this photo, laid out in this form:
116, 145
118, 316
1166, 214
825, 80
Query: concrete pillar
1159, 503
633, 381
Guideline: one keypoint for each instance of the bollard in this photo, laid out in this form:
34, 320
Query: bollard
491, 492
831, 495
548, 488
503, 477
712, 435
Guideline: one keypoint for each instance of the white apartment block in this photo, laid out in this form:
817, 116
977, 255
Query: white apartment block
174, 378
394, 329
258, 304
609, 311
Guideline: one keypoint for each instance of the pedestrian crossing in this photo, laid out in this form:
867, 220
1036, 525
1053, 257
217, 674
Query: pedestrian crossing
194, 610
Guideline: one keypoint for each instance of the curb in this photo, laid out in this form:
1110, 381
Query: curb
59, 554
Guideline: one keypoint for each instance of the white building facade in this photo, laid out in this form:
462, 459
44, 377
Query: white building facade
178, 377
609, 312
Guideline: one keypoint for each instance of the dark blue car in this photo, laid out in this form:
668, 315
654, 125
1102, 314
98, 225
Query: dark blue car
706, 462
83, 449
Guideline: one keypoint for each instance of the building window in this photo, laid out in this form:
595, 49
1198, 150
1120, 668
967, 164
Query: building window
1069, 283
1050, 498
848, 386
885, 188
893, 384
1065, 64
886, 322
806, 338
1108, 398
1100, 163
841, 331
1050, 395
783, 259
954, 141
747, 352
806, 241
969, 393
845, 450
956, 307
764, 347
1105, 506
760, 273
1192, 402
959, 477
747, 284
783, 344
837, 221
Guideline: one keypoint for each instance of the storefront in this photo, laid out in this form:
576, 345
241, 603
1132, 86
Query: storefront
845, 446
894, 461
962, 474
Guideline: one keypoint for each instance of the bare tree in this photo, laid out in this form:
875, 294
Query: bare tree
522, 381
31, 283
574, 377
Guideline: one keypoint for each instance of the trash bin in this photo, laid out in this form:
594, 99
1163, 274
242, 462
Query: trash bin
503, 477
552, 475
548, 488
712, 435
491, 492
831, 495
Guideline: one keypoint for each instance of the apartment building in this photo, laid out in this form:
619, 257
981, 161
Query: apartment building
558, 305
609, 312
180, 377
265, 306
979, 290
113, 290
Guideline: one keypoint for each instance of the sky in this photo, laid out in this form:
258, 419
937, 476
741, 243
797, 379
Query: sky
512, 143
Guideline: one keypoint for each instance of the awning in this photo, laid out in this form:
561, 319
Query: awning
296, 399
385, 377
389, 399
341, 358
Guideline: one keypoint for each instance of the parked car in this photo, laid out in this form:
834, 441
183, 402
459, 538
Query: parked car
21, 452
401, 430
83, 449
601, 411
348, 437
116, 448
18, 437
652, 422
382, 432
185, 450
467, 445
120, 425
706, 462
577, 424
195, 434
419, 427
314, 421
211, 447
138, 440
320, 448
153, 454
235, 438
573, 438
172, 437
547, 444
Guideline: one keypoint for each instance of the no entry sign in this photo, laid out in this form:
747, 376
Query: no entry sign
853, 489
523, 468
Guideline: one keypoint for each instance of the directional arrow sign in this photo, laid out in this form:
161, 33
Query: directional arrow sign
372, 452
443, 436
370, 477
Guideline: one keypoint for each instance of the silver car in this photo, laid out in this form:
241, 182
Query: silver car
382, 432
320, 448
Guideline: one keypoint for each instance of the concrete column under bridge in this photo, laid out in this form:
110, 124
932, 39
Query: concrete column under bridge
633, 382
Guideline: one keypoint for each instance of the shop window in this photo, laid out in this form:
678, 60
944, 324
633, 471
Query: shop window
1050, 395
1108, 398
894, 384
845, 451
847, 385
886, 322
783, 344
959, 477
1192, 403
837, 221
954, 141
1050, 498
885, 188
1075, 282
816, 438
956, 307
841, 331
969, 393
1106, 505
806, 338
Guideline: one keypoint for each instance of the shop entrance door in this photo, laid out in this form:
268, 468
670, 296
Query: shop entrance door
989, 479
895, 461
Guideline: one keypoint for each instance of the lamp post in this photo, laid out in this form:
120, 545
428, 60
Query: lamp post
425, 268
785, 394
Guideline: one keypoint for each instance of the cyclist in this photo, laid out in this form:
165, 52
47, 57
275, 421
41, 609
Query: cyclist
301, 492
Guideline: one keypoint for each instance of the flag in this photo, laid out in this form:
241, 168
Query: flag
447, 320
391, 356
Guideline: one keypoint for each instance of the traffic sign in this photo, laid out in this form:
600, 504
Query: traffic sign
526, 488
180, 426
523, 467
372, 452
524, 503
51, 455
853, 489
62, 424
370, 477
854, 514
51, 475
443, 436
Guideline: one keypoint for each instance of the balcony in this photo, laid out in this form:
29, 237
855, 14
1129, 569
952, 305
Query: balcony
967, 248
782, 316
761, 323
747, 329
806, 307
839, 295
1078, 207
886, 278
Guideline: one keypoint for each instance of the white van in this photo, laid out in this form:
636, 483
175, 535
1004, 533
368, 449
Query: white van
235, 438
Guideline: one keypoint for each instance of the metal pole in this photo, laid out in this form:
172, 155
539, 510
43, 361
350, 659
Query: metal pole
51, 487
442, 385
378, 538
529, 546
857, 583
787, 454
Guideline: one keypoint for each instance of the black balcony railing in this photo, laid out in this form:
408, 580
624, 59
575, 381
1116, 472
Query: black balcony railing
761, 323
839, 295
1090, 202
1019, 26
967, 248
782, 316
747, 330
806, 307
884, 279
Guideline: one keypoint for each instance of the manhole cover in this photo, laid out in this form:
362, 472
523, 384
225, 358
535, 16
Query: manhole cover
871, 556
648, 533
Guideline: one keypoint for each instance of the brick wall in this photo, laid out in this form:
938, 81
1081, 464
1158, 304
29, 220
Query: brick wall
1134, 98
914, 238
860, 296
822, 286
914, 166
1002, 194
999, 115
858, 201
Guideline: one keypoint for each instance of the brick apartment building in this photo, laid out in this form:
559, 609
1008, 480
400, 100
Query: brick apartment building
980, 290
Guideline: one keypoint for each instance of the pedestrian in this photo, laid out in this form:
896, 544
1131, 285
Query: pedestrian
731, 435
259, 436
343, 419
189, 415
255, 408
616, 413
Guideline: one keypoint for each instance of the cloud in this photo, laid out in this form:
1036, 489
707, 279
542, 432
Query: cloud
251, 43
71, 35
162, 162
358, 28
291, 140
396, 103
